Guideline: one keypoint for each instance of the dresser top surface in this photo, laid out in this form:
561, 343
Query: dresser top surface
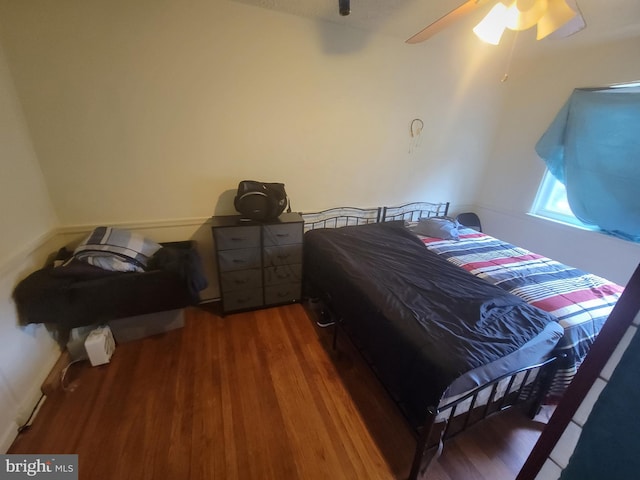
238, 220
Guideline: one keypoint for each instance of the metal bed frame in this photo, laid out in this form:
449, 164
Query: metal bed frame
413, 212
526, 385
341, 217
442, 422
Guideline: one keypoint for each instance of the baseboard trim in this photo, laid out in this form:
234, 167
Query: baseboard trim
13, 262
35, 392
26, 405
53, 381
8, 436
139, 225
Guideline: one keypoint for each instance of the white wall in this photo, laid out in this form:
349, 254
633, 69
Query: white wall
537, 88
147, 110
28, 221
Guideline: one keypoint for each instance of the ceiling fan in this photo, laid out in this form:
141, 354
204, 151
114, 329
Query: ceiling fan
556, 18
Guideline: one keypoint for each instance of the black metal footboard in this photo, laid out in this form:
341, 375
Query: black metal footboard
526, 385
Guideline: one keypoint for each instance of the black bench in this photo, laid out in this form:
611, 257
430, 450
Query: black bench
88, 295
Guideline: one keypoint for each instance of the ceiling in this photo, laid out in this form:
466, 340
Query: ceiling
606, 20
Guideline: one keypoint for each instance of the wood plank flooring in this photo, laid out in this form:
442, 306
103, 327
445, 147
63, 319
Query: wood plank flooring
257, 395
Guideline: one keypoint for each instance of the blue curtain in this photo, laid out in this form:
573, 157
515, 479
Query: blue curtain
593, 148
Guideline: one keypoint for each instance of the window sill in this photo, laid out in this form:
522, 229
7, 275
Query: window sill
584, 228
564, 222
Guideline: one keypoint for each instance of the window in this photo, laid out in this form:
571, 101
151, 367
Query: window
592, 143
551, 202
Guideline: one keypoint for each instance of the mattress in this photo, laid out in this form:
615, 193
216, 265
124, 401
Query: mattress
428, 328
533, 352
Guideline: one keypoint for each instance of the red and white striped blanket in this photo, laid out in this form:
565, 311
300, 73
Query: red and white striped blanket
581, 301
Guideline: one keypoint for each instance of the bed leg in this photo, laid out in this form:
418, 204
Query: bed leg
423, 456
548, 375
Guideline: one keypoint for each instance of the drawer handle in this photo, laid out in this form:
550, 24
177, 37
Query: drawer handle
240, 282
282, 235
237, 239
282, 275
237, 260
282, 257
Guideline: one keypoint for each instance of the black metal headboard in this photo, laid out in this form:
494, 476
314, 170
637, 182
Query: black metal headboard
412, 212
341, 217
347, 216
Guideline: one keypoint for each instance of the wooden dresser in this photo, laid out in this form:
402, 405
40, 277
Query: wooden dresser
259, 263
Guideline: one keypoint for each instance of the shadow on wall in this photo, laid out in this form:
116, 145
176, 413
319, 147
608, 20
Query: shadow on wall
336, 40
364, 20
224, 205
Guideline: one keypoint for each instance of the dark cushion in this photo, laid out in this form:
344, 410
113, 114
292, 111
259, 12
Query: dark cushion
438, 227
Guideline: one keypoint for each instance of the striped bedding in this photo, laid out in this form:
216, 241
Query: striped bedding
581, 301
116, 250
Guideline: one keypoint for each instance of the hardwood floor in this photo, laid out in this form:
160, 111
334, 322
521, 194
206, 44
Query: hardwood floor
257, 395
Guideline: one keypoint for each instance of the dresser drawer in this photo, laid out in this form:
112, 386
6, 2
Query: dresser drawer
240, 259
283, 274
242, 299
237, 237
241, 279
258, 260
284, 255
285, 293
286, 234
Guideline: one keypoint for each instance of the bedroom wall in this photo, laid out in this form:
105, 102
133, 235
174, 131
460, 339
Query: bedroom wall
537, 88
153, 111
28, 232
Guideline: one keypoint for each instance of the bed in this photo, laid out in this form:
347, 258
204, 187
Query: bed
450, 344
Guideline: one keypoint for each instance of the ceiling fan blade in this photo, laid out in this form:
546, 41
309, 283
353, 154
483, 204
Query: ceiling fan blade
446, 20
574, 25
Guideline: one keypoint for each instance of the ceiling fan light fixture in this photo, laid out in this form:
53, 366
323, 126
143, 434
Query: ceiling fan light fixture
524, 14
554, 19
492, 26
557, 15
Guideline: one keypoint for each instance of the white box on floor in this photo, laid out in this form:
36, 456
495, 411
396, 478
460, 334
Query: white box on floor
141, 326
75, 344
100, 346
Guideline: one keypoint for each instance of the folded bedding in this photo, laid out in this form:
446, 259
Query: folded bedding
116, 249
